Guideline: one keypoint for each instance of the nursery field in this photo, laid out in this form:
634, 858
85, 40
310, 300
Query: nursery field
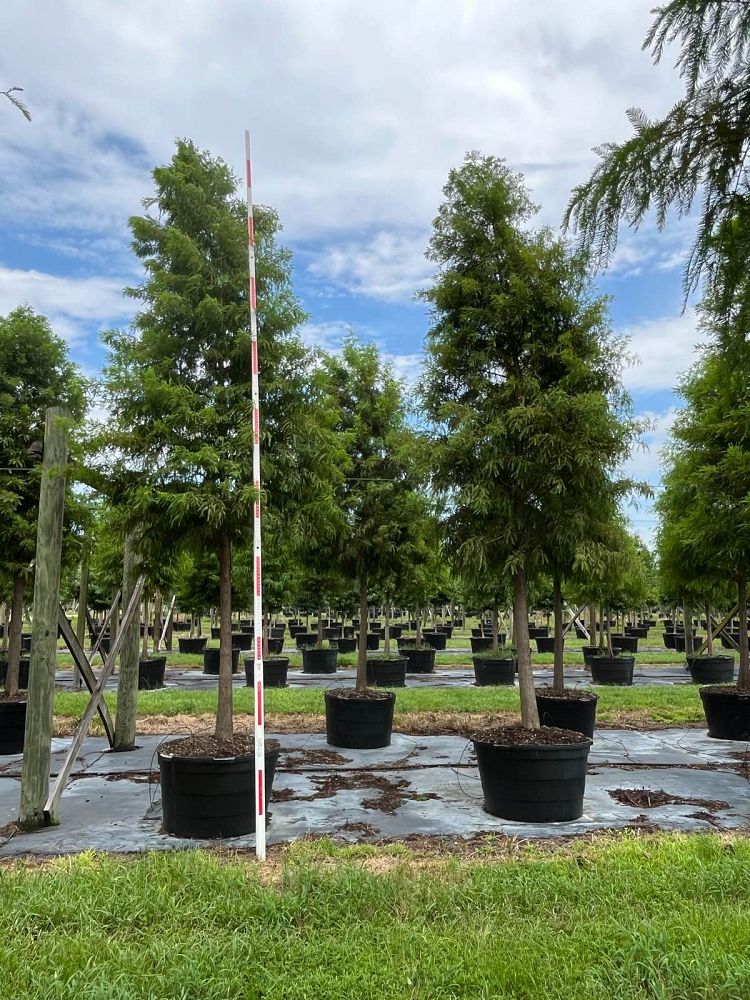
417, 710
641, 916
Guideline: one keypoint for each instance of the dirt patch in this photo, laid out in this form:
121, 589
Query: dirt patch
519, 736
138, 778
650, 798
209, 748
707, 817
8, 831
366, 829
407, 723
311, 758
389, 793
283, 795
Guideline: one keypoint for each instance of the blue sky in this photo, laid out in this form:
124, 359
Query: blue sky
358, 110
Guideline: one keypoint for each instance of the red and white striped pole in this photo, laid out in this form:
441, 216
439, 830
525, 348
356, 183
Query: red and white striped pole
260, 720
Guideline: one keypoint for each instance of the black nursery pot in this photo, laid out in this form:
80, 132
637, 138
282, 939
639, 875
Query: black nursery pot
359, 723
418, 661
533, 784
151, 673
578, 714
627, 642
211, 660
669, 639
23, 672
303, 639
480, 644
491, 671
319, 661
243, 640
215, 631
275, 670
389, 672
209, 798
545, 644
711, 669
372, 641
727, 712
347, 645
12, 726
613, 670
194, 645
435, 639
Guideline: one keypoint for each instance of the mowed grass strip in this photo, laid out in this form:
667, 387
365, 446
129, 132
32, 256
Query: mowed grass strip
636, 918
656, 705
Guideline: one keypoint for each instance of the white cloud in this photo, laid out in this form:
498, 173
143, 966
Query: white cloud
69, 303
388, 266
646, 461
664, 347
357, 110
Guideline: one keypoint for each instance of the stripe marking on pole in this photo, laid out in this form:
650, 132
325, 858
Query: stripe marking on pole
258, 687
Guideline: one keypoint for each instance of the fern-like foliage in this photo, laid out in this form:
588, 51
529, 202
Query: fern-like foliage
11, 93
694, 157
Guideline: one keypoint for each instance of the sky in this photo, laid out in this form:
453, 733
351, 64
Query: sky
358, 109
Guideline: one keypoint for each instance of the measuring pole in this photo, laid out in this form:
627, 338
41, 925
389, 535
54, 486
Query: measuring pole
260, 720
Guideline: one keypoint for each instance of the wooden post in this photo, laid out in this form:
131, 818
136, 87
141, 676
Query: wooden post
36, 757
127, 681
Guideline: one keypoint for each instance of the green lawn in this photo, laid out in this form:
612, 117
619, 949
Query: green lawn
667, 705
629, 919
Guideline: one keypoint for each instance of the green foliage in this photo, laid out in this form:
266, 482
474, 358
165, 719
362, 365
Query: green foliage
177, 453
522, 377
696, 152
35, 373
12, 94
705, 506
523, 388
383, 516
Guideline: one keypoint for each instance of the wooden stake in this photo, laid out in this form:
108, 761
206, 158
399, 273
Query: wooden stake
37, 741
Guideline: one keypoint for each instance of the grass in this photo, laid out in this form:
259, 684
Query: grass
660, 705
661, 918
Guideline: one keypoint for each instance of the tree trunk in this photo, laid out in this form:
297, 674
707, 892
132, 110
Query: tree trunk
687, 614
144, 637
158, 623
558, 678
320, 626
495, 640
6, 628
266, 626
709, 632
83, 600
387, 642
114, 622
418, 617
602, 627
16, 627
529, 712
127, 679
224, 720
592, 624
38, 734
743, 678
608, 627
361, 683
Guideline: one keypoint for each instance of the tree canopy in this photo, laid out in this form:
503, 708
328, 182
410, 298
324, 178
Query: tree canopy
695, 155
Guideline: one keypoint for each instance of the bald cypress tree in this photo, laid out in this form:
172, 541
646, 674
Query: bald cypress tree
178, 383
